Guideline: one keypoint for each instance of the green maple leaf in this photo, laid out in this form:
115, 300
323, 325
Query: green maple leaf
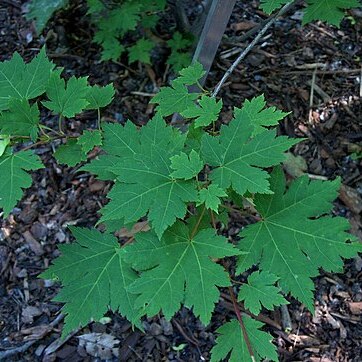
231, 340
291, 245
13, 177
20, 80
149, 21
144, 183
179, 42
22, 119
101, 167
67, 100
130, 16
94, 278
211, 197
237, 157
186, 166
260, 290
180, 270
330, 11
70, 153
99, 97
118, 142
206, 113
173, 99
269, 6
42, 10
257, 115
112, 50
121, 141
141, 51
89, 139
178, 60
192, 74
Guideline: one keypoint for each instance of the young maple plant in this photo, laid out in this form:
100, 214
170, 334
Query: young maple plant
117, 20
183, 184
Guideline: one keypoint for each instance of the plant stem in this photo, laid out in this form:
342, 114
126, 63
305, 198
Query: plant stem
99, 119
240, 319
41, 126
193, 233
198, 183
201, 87
60, 124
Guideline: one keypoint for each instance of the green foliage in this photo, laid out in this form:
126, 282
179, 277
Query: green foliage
13, 178
178, 181
140, 51
4, 141
94, 276
101, 167
192, 74
178, 61
144, 177
21, 119
269, 6
237, 157
114, 21
259, 116
179, 57
331, 11
70, 153
207, 112
174, 99
299, 245
232, 340
186, 166
66, 99
179, 270
260, 290
41, 11
211, 197
99, 97
89, 139
23, 81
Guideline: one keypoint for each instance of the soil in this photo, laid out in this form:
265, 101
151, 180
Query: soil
283, 67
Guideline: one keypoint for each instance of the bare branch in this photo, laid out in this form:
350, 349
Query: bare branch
281, 12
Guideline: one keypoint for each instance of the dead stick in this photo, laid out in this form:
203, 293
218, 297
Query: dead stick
243, 54
27, 345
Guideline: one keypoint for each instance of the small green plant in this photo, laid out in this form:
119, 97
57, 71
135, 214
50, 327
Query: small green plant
116, 20
183, 184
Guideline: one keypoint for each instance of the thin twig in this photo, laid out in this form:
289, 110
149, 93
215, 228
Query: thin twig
282, 11
312, 88
311, 96
143, 94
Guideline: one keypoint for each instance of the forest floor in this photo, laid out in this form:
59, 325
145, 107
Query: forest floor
285, 66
